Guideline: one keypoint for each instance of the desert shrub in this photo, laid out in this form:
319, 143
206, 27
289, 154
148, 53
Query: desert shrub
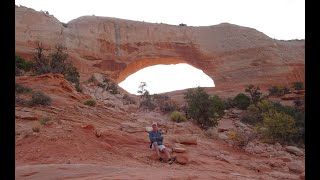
298, 85
298, 102
164, 102
254, 92
265, 106
298, 116
91, 79
200, 107
252, 115
148, 104
141, 88
168, 106
273, 90
56, 62
129, 99
177, 116
218, 105
279, 91
113, 88
18, 71
241, 101
229, 103
240, 139
22, 89
44, 120
39, 98
78, 88
181, 24
102, 85
280, 126
90, 102
22, 64
71, 74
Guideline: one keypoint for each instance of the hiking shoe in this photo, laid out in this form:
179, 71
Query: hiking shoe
171, 160
160, 159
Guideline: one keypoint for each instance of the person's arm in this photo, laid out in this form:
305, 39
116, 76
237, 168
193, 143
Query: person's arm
152, 139
160, 137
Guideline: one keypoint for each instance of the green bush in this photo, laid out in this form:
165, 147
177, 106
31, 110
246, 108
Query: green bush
113, 88
240, 139
168, 106
218, 105
254, 92
229, 103
279, 91
56, 62
90, 102
280, 126
22, 64
177, 116
298, 85
22, 89
250, 118
78, 88
200, 108
148, 104
164, 102
39, 98
71, 74
91, 79
241, 101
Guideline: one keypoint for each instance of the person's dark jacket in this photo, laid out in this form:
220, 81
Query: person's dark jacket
155, 137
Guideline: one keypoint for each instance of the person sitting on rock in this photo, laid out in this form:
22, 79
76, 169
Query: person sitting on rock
156, 139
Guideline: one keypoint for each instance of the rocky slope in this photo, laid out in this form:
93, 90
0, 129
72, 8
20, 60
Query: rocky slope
231, 55
110, 141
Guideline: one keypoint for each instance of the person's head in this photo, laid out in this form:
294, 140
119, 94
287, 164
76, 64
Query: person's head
154, 126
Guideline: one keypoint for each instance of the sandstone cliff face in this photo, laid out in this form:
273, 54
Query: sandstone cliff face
233, 56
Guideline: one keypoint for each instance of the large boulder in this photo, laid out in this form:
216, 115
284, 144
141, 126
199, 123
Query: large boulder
186, 140
263, 168
182, 158
179, 150
277, 163
294, 150
295, 167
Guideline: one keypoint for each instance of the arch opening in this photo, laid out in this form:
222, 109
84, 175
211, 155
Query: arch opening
165, 77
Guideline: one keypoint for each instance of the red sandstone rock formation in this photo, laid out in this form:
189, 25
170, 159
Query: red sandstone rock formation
233, 56
104, 142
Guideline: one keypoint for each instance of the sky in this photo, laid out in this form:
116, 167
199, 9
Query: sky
279, 19
166, 78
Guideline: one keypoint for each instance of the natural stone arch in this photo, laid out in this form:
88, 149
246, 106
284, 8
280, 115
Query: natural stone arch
231, 55
147, 62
